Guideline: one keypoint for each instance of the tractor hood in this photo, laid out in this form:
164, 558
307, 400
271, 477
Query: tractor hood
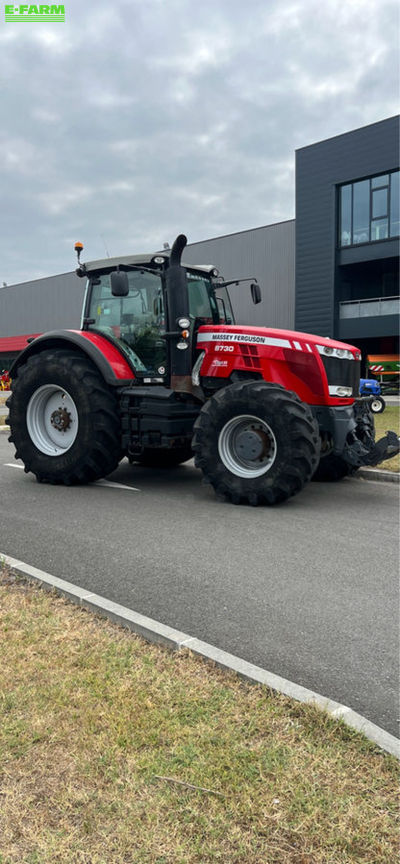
275, 338
321, 371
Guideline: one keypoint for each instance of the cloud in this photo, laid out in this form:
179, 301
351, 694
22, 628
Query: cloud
135, 121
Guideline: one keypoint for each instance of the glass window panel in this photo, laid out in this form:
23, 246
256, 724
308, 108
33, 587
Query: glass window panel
345, 216
383, 180
135, 322
379, 229
361, 212
379, 203
394, 204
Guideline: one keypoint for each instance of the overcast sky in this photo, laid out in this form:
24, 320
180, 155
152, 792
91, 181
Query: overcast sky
135, 121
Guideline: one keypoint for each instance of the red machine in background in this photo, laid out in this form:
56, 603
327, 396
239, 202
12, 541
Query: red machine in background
5, 380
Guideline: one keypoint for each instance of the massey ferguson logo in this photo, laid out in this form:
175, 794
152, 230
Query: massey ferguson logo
274, 341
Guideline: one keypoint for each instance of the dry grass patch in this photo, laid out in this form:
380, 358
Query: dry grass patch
91, 716
388, 420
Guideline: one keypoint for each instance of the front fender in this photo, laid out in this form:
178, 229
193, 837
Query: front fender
105, 355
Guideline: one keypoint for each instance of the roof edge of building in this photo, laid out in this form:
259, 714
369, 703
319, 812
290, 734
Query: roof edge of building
349, 132
243, 231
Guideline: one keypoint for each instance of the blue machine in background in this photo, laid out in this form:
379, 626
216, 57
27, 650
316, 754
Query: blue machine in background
370, 387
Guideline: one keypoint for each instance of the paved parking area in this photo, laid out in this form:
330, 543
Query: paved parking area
308, 590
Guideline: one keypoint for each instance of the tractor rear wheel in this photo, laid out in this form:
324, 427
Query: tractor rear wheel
256, 443
64, 419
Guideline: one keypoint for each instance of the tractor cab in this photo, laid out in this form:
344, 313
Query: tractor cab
138, 320
152, 308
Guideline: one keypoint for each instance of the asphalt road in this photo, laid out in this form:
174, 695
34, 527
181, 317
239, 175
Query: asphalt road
308, 590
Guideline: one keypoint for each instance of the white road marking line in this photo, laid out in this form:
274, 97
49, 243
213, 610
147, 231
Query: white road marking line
108, 483
115, 485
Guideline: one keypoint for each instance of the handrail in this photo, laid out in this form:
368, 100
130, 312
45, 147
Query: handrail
369, 300
369, 307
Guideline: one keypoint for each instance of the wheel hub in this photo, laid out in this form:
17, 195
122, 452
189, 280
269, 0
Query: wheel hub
52, 420
249, 444
60, 419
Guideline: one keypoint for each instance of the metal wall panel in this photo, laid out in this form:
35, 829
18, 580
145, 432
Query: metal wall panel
45, 304
320, 168
266, 253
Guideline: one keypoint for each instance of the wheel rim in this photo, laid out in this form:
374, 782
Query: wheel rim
376, 405
52, 420
247, 446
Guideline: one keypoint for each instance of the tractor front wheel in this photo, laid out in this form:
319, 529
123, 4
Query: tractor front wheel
64, 419
256, 443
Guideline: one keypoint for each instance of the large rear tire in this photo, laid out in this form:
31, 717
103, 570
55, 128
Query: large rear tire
256, 443
64, 419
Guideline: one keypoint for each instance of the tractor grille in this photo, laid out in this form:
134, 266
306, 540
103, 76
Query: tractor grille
250, 356
342, 373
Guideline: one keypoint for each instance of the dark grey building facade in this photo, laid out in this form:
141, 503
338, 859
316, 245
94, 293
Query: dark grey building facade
265, 253
347, 237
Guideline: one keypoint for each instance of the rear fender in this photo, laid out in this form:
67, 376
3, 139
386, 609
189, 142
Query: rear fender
104, 354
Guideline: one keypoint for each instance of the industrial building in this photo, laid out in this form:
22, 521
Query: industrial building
333, 271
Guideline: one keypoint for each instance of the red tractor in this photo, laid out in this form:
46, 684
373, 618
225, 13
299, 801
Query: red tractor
5, 380
159, 372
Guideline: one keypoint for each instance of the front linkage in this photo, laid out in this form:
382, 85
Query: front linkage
360, 447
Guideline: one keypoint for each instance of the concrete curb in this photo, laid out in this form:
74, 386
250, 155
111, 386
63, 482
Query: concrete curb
378, 474
4, 429
154, 631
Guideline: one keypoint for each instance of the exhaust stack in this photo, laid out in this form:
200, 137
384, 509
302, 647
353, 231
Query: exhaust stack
178, 307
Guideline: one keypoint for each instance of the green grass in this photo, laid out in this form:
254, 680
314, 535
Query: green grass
97, 727
388, 420
3, 398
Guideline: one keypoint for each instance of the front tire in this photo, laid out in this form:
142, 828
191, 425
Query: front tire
64, 419
256, 443
377, 405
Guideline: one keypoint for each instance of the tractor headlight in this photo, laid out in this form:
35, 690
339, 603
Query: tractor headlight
342, 353
335, 390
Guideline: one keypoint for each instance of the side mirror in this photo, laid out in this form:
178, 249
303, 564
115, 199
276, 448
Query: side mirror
119, 283
255, 292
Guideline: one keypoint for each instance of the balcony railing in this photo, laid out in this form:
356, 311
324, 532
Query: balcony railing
369, 308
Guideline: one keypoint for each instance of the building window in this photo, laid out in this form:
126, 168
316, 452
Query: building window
369, 210
395, 205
